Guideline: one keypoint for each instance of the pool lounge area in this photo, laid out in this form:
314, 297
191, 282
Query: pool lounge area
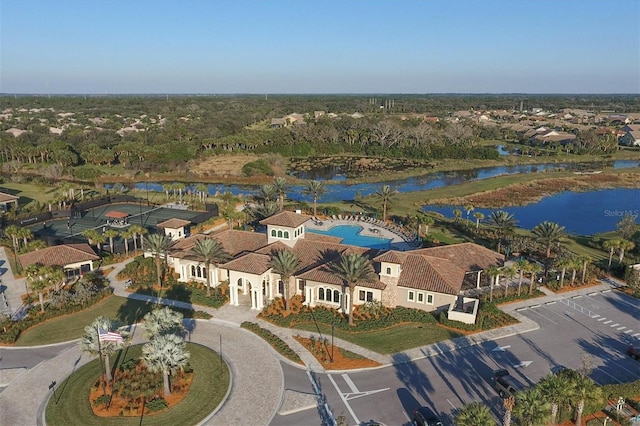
360, 234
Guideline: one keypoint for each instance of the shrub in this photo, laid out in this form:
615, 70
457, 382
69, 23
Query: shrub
156, 404
258, 167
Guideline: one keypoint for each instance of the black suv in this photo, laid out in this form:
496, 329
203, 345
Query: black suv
505, 384
423, 416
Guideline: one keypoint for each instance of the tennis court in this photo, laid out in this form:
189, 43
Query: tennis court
112, 216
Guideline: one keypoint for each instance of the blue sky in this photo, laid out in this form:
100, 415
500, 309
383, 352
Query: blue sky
313, 46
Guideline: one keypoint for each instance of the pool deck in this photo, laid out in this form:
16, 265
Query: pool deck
368, 229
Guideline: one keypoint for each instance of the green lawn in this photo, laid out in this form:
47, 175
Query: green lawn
390, 340
69, 327
209, 387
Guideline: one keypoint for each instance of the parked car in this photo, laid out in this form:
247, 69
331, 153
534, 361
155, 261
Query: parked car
505, 384
634, 352
423, 416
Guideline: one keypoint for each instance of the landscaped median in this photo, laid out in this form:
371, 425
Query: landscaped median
72, 404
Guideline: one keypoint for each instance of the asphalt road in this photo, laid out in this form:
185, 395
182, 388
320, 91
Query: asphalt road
591, 331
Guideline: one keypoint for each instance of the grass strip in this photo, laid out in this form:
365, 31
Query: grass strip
69, 327
389, 340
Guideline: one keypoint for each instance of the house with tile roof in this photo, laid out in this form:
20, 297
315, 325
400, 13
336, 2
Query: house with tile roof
74, 259
176, 229
427, 279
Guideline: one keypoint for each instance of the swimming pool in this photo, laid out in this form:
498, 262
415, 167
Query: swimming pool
350, 234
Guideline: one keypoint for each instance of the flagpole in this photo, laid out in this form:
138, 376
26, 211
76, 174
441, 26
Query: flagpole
104, 373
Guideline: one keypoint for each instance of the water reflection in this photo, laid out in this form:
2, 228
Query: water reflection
582, 213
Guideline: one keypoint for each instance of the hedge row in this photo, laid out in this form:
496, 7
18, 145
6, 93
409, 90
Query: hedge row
277, 343
489, 317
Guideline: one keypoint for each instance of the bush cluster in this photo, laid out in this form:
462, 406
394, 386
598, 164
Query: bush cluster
489, 317
156, 404
277, 343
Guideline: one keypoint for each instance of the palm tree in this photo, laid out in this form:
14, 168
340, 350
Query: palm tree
352, 269
26, 234
474, 414
314, 188
111, 234
584, 390
285, 263
468, 208
135, 231
523, 265
94, 237
574, 265
39, 285
126, 234
563, 263
627, 226
585, 262
611, 245
556, 390
423, 219
90, 342
158, 245
504, 223
531, 408
210, 251
624, 245
494, 273
166, 354
13, 231
508, 273
280, 186
548, 234
161, 321
534, 269
508, 404
384, 196
479, 216
457, 214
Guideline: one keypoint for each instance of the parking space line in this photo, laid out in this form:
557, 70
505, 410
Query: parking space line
602, 319
622, 328
596, 316
606, 291
607, 322
613, 325
636, 335
629, 331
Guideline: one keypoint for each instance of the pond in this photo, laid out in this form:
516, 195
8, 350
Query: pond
344, 191
582, 213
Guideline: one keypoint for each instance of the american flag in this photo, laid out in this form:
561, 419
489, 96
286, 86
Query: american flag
109, 336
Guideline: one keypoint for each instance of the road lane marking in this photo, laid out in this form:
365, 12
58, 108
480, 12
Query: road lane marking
350, 383
344, 400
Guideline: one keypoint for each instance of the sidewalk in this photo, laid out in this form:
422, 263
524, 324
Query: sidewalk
258, 379
13, 288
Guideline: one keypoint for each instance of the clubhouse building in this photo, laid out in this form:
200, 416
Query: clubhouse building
428, 279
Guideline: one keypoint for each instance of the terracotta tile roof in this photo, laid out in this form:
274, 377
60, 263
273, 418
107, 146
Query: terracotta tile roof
61, 255
286, 218
391, 256
232, 241
116, 214
312, 236
323, 274
466, 256
431, 274
173, 223
4, 198
252, 263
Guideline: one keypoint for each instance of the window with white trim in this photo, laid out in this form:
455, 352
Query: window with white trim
420, 297
411, 296
366, 296
429, 299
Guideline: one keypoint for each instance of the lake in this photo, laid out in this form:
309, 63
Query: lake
582, 213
